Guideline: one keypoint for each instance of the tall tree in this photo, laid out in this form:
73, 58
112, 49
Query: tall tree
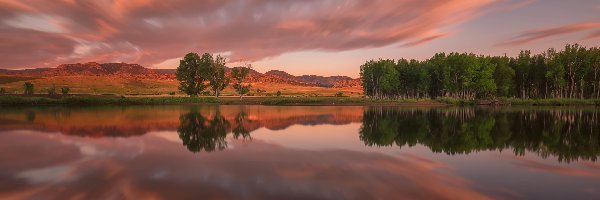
28, 88
218, 80
503, 76
191, 74
239, 76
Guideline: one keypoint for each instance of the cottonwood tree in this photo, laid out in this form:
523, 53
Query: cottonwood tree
239, 76
218, 80
192, 73
28, 88
573, 72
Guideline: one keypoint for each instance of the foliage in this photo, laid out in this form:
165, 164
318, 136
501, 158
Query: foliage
217, 79
2, 90
52, 90
278, 93
65, 90
192, 73
27, 88
239, 75
573, 72
339, 94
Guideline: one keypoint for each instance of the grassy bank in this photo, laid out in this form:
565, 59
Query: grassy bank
101, 100
120, 100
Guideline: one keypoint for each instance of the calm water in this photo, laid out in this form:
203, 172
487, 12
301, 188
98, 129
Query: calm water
264, 152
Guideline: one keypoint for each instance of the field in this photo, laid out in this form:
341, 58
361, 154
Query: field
99, 85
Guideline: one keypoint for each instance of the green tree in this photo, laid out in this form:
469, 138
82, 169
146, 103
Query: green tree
218, 80
239, 76
27, 88
503, 76
52, 90
192, 73
65, 90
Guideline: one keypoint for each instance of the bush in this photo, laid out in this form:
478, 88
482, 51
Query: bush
65, 90
2, 90
172, 93
206, 93
52, 90
278, 93
27, 88
339, 94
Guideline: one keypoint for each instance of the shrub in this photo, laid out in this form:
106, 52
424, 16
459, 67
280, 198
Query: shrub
278, 93
28, 88
339, 94
52, 90
171, 93
2, 90
65, 90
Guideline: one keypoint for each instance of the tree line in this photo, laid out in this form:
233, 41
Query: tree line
207, 72
573, 72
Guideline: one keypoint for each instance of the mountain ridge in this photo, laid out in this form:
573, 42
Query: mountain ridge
136, 71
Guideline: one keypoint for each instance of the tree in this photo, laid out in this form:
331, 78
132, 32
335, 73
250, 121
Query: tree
573, 72
28, 88
65, 90
218, 80
52, 90
192, 73
503, 76
239, 75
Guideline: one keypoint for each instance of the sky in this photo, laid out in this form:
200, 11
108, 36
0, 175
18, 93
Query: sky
321, 37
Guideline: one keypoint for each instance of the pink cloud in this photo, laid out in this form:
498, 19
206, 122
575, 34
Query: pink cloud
593, 35
251, 30
425, 40
538, 34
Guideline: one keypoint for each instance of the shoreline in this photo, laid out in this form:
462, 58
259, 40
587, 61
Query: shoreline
92, 100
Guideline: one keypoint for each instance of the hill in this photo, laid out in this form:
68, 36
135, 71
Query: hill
124, 78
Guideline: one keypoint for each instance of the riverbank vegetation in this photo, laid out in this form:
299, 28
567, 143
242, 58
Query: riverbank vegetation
572, 73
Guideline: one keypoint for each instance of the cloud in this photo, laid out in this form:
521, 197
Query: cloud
425, 40
152, 31
252, 170
538, 34
593, 35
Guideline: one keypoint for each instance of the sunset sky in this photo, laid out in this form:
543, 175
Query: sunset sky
322, 37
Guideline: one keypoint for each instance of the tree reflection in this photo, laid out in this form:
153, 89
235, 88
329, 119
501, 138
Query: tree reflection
201, 134
240, 130
568, 134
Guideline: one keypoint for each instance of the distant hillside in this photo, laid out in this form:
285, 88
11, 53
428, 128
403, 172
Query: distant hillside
135, 71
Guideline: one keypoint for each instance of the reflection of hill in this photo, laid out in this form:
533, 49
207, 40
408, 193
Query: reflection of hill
138, 120
567, 134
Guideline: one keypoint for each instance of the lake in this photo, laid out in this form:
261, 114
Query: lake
299, 152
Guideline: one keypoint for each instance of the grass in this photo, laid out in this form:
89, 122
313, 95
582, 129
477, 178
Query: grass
13, 79
551, 102
95, 100
167, 100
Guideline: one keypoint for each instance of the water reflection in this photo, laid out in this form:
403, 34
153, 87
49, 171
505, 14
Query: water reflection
262, 152
568, 134
201, 134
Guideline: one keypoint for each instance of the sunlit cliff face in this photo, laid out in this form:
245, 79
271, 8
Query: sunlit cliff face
295, 35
